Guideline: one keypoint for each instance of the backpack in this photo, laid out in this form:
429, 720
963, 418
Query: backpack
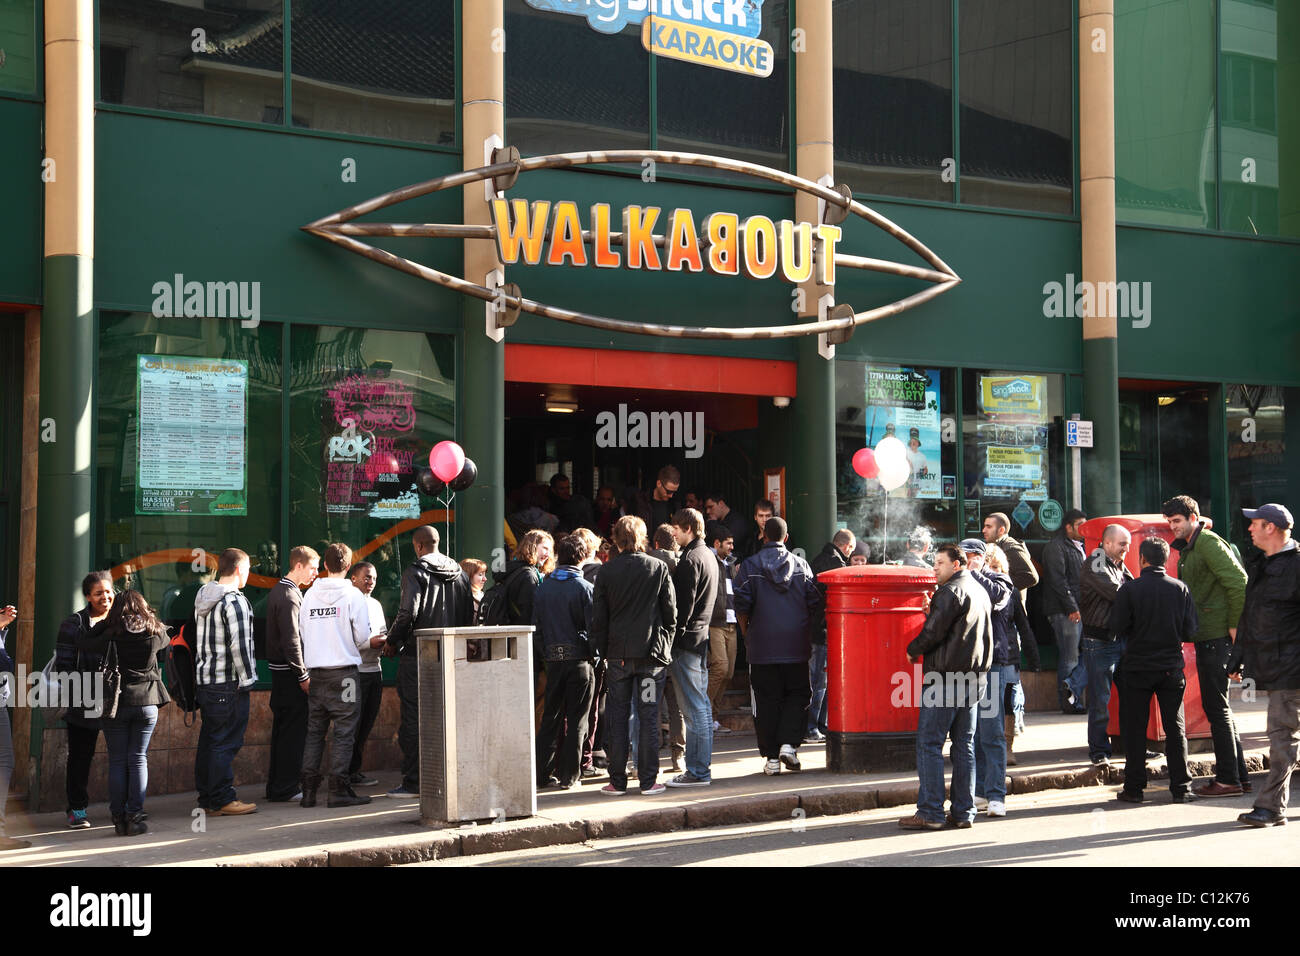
494, 609
180, 667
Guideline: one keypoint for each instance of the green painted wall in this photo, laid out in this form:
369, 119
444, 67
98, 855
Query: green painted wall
20, 168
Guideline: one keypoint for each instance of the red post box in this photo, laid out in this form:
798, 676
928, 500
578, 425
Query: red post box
1196, 724
872, 613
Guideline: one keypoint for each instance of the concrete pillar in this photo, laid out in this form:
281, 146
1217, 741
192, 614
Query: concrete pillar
67, 353
480, 511
1101, 480
811, 475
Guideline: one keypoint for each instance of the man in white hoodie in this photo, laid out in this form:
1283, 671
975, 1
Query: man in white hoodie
335, 626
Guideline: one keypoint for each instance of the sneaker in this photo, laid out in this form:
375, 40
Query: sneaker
590, 772
716, 725
1101, 760
1185, 797
77, 820
359, 779
1124, 796
1068, 693
1152, 755
631, 770
721, 730
789, 758
609, 790
401, 793
1262, 818
688, 780
234, 808
997, 808
981, 803
814, 736
548, 784
9, 843
954, 824
772, 767
655, 790
918, 822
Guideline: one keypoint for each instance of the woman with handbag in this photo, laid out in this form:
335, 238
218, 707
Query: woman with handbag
129, 640
82, 722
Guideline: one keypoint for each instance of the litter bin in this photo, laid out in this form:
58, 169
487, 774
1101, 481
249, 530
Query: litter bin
477, 759
872, 613
1196, 724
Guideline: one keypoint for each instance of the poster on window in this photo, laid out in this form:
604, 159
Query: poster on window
904, 402
1013, 433
370, 446
192, 428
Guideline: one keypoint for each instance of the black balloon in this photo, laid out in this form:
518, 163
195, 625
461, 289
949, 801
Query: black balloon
465, 478
429, 483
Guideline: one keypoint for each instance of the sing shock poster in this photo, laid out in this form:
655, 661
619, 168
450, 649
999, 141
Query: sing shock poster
193, 420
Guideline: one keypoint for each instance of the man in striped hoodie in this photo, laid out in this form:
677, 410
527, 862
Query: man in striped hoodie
226, 672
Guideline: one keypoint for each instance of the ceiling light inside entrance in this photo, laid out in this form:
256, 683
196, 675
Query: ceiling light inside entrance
561, 408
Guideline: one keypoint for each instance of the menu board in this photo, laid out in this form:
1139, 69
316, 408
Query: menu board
193, 420
904, 402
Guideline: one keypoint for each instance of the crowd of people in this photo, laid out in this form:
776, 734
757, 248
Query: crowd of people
639, 625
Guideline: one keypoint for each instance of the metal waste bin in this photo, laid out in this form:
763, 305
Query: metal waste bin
477, 759
872, 614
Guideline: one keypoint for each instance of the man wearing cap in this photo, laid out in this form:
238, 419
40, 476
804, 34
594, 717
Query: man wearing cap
1268, 645
1217, 581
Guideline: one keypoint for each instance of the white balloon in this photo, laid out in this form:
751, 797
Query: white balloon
889, 449
894, 474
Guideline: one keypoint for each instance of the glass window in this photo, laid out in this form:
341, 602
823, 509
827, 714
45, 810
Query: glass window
1256, 456
1017, 104
570, 88
1164, 113
18, 61
366, 407
703, 109
1013, 459
206, 57
187, 452
914, 405
893, 97
380, 68
1254, 174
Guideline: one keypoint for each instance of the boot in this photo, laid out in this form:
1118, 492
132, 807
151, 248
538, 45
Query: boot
119, 824
1009, 728
342, 794
310, 784
135, 825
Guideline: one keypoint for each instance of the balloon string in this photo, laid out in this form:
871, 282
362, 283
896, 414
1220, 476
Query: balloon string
885, 556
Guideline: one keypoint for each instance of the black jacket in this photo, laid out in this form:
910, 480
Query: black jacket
69, 657
725, 599
958, 634
1099, 582
828, 559
1019, 565
634, 610
695, 589
435, 593
1268, 634
1155, 614
1006, 650
137, 661
283, 642
521, 583
1062, 562
562, 616
1023, 636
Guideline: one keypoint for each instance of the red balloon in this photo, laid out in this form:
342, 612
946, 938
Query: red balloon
447, 459
864, 463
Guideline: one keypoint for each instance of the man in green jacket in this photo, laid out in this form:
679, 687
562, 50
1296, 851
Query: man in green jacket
1217, 581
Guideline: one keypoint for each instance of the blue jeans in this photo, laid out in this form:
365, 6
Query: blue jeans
127, 736
225, 718
990, 734
817, 677
690, 670
934, 724
1069, 668
1101, 658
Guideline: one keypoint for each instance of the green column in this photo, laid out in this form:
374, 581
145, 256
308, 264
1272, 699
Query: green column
63, 487
810, 474
1101, 486
480, 510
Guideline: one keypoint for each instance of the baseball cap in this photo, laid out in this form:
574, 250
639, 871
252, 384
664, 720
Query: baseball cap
1275, 513
974, 546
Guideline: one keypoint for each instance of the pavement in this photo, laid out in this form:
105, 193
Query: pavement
1052, 756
